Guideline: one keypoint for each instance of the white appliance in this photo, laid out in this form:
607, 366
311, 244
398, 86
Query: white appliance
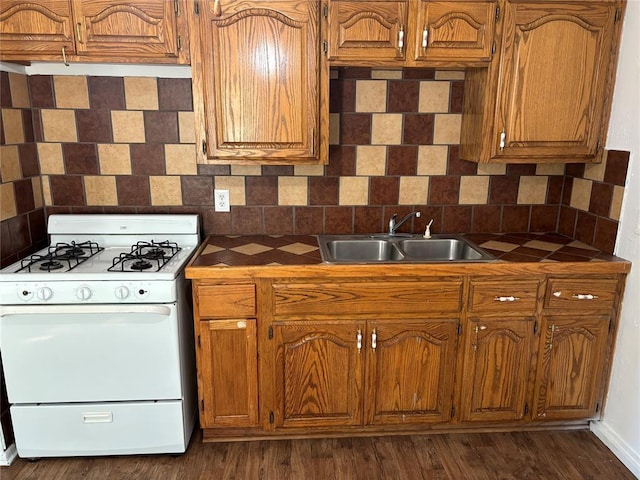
96, 337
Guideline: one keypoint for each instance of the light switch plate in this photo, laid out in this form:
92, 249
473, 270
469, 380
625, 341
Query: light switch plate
221, 200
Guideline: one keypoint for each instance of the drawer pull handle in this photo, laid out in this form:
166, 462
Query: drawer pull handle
425, 37
557, 294
584, 296
401, 39
374, 339
359, 340
98, 417
510, 298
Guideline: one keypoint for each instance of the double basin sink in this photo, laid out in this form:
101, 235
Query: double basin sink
399, 249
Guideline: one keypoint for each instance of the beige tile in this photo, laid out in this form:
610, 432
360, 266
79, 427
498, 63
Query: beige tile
7, 201
386, 129
12, 124
308, 170
434, 96
334, 129
180, 159
114, 158
581, 194
46, 191
616, 202
499, 246
413, 190
165, 190
492, 169
579, 244
59, 126
36, 185
293, 191
128, 127
141, 93
236, 188
251, 249
550, 169
386, 74
595, 171
10, 163
540, 245
474, 190
432, 159
371, 96
100, 190
449, 75
354, 191
71, 91
371, 160
446, 129
246, 170
19, 90
50, 156
532, 190
298, 248
187, 127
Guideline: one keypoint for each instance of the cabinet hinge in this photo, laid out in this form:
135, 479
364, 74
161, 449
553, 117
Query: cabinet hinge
526, 408
597, 407
270, 332
535, 327
204, 147
459, 329
199, 343
202, 405
598, 146
325, 46
325, 10
272, 417
179, 42
616, 19
453, 411
176, 7
610, 325
493, 48
196, 8
497, 12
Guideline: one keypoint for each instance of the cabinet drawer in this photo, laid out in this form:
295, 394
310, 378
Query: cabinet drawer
571, 293
226, 300
370, 297
503, 296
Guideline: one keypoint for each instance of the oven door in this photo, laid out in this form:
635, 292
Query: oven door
85, 353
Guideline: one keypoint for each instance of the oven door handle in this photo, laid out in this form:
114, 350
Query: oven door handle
74, 309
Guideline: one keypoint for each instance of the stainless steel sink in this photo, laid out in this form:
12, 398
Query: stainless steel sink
399, 249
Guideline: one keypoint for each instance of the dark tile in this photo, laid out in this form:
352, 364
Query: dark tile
27, 125
515, 218
106, 93
323, 190
554, 191
521, 169
581, 252
261, 190
215, 223
5, 91
601, 195
175, 94
605, 235
361, 73
457, 219
246, 220
94, 126
342, 161
278, 220
80, 158
67, 190
403, 96
616, 170
23, 191
37, 126
28, 153
554, 237
419, 73
308, 220
38, 226
161, 127
503, 190
19, 232
147, 159
213, 169
518, 257
402, 160
368, 220
486, 218
456, 98
196, 190
133, 190
531, 252
338, 220
574, 170
41, 91
277, 170
567, 221
355, 129
564, 257
384, 190
585, 227
7, 252
418, 129
567, 188
342, 96
544, 218
457, 166
444, 190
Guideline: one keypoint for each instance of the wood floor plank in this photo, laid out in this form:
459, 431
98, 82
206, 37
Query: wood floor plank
570, 455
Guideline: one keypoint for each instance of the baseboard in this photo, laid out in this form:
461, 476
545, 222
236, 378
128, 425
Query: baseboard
7, 456
618, 446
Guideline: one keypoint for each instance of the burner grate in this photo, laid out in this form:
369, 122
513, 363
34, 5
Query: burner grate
145, 256
61, 255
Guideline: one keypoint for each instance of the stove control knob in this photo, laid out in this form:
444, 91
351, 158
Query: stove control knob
83, 293
25, 294
44, 293
122, 292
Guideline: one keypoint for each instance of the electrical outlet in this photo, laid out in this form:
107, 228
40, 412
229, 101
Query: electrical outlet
221, 198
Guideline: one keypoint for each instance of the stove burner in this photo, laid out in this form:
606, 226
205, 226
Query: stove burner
50, 265
74, 252
154, 253
140, 265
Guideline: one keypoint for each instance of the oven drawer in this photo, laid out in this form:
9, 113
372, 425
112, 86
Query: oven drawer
99, 429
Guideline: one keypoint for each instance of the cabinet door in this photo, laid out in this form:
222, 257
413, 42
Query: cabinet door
570, 366
554, 93
42, 28
455, 31
141, 28
410, 371
228, 373
260, 77
318, 373
371, 31
497, 362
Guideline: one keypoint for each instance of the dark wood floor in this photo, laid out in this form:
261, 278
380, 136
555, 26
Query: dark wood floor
530, 455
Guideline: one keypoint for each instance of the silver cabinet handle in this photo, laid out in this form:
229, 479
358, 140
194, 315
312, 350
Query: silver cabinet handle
64, 57
425, 37
401, 38
359, 340
79, 31
510, 298
374, 339
503, 137
584, 296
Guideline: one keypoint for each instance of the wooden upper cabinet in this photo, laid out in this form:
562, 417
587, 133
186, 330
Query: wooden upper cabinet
455, 31
369, 31
262, 82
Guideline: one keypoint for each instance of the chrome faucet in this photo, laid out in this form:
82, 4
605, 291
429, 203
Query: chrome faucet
393, 225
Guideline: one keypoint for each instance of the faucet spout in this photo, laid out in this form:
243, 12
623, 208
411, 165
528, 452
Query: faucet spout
393, 225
